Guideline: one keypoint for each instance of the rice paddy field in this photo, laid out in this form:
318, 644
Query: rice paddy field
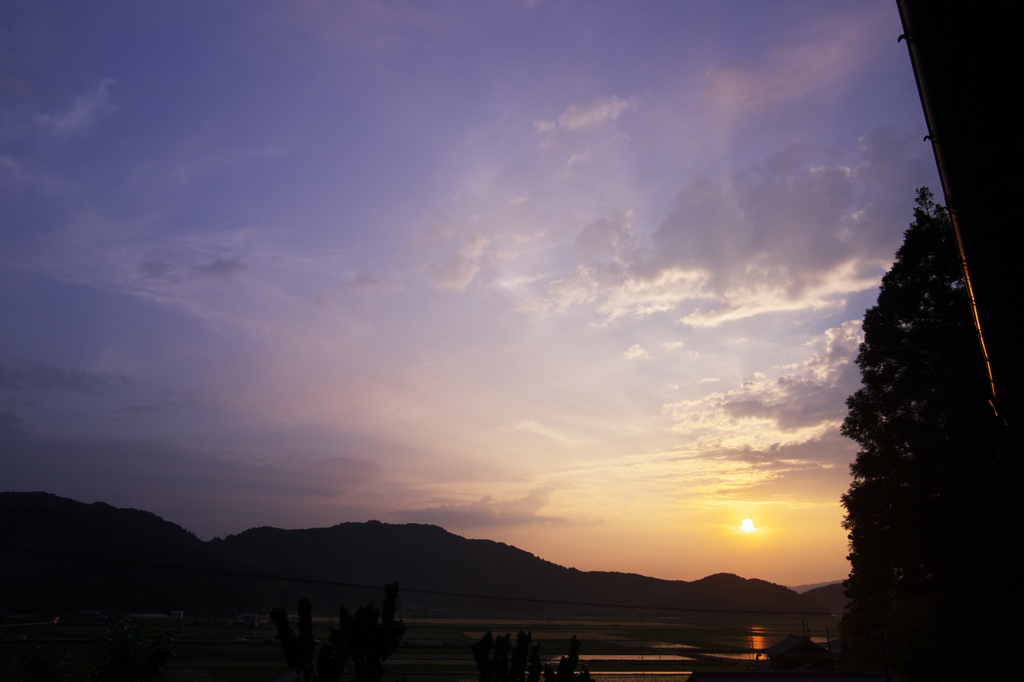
616, 646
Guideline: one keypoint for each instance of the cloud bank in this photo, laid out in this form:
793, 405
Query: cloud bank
199, 490
782, 236
486, 512
786, 410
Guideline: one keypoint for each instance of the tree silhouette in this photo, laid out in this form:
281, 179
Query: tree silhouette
497, 661
482, 655
534, 667
366, 638
566, 671
928, 458
521, 658
299, 648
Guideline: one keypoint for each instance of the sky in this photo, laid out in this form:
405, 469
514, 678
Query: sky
582, 277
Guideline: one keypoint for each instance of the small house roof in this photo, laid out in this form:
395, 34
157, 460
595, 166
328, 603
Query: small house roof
798, 646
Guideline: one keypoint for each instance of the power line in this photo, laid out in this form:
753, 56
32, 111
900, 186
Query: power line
335, 583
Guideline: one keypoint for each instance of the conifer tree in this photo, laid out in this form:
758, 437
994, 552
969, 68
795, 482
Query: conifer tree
928, 462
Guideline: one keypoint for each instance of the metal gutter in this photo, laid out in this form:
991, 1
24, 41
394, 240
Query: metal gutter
936, 138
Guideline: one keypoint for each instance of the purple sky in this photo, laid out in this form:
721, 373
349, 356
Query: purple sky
584, 277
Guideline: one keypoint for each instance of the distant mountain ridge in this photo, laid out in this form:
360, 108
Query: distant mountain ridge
801, 589
420, 557
833, 596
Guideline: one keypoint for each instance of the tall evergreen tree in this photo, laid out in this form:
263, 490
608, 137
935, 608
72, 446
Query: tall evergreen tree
926, 476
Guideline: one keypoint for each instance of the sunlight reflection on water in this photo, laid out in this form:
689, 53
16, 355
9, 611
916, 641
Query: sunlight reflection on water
641, 677
632, 676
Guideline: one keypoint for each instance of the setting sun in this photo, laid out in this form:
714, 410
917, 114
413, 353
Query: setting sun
747, 526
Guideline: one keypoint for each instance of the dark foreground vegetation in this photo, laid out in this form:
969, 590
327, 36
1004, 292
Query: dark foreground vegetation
931, 578
126, 652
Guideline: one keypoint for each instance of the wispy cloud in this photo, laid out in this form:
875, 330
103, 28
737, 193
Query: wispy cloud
84, 111
29, 375
534, 426
458, 268
608, 239
636, 352
156, 269
364, 283
149, 410
368, 26
166, 403
818, 60
586, 116
221, 268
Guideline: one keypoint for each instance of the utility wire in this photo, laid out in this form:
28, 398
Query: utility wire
334, 583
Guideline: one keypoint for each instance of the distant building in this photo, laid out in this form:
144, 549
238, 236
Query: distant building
149, 616
94, 616
250, 620
177, 615
800, 654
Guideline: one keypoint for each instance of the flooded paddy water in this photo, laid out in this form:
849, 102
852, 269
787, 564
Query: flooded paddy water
615, 647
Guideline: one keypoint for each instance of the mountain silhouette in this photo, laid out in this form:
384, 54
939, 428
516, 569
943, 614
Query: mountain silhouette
420, 557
